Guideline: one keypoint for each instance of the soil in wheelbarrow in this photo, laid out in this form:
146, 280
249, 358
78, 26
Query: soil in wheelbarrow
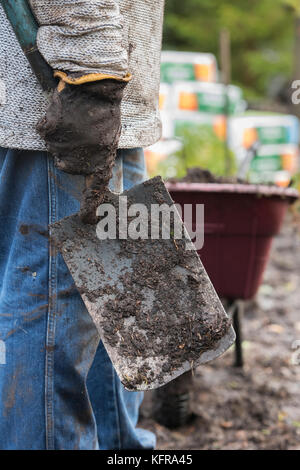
200, 175
257, 408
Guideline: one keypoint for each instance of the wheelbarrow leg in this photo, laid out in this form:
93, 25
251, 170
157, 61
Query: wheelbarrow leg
171, 403
238, 308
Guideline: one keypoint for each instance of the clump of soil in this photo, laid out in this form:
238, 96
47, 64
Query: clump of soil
183, 321
200, 175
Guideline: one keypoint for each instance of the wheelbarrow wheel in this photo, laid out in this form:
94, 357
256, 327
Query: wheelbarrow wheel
171, 403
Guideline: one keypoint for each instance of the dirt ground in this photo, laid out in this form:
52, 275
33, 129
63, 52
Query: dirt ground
257, 407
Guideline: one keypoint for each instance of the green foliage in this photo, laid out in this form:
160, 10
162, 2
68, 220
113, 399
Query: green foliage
262, 33
294, 5
296, 181
201, 148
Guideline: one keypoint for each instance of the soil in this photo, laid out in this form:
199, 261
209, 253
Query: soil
199, 330
256, 407
200, 175
25, 229
94, 193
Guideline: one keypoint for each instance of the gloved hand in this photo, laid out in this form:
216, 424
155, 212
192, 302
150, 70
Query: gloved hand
82, 129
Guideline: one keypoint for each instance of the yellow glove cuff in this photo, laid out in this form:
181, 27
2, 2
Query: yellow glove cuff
90, 77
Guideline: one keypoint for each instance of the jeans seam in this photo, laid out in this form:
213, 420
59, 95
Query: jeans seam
50, 338
116, 408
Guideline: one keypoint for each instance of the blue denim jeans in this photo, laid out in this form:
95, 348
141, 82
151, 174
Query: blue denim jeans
58, 388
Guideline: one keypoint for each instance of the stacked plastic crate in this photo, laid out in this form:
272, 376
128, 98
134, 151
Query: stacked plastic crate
190, 96
276, 138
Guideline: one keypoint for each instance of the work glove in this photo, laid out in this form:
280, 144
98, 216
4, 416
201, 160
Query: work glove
81, 129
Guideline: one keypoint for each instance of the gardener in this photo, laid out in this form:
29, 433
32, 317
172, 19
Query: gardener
58, 389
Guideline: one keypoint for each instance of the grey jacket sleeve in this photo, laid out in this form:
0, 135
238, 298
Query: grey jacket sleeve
82, 35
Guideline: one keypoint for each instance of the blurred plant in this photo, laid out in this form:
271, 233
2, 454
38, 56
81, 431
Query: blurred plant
296, 181
295, 208
294, 5
201, 148
262, 34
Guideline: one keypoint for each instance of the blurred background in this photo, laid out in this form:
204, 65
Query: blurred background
228, 69
227, 89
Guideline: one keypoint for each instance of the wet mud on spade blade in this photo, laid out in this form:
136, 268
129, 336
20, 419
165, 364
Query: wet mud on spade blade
153, 304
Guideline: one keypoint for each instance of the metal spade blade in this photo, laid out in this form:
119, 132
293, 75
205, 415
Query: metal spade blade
152, 302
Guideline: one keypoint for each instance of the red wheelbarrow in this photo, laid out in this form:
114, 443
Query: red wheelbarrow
240, 223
